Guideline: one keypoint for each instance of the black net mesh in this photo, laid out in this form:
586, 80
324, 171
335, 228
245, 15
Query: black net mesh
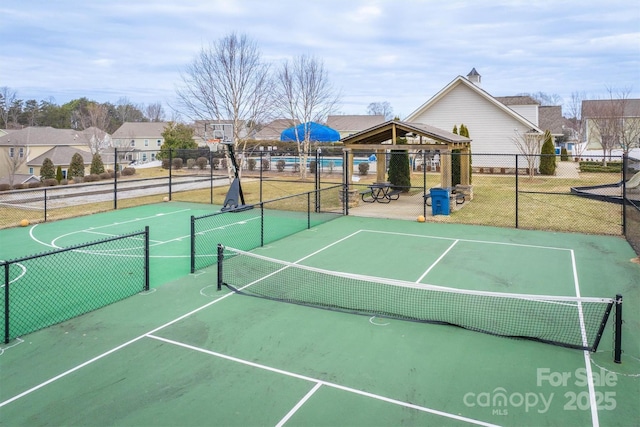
52, 287
565, 321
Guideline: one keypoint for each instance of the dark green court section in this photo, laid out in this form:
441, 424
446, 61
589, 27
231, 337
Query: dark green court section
152, 359
169, 230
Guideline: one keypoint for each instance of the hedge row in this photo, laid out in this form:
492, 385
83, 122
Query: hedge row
52, 182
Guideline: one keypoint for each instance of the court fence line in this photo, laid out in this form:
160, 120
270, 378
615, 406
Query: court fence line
261, 223
586, 195
48, 288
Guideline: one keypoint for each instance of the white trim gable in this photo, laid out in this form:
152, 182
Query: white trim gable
493, 126
413, 117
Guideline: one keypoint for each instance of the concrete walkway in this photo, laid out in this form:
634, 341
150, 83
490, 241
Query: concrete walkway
567, 170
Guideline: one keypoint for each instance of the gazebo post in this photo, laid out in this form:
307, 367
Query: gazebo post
445, 168
381, 165
464, 165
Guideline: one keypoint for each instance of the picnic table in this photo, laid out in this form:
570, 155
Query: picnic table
381, 192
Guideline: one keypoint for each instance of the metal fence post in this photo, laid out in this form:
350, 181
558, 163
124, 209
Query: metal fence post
516, 191
170, 170
115, 178
193, 244
6, 302
146, 258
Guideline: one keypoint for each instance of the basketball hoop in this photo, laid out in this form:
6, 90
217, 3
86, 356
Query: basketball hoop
212, 143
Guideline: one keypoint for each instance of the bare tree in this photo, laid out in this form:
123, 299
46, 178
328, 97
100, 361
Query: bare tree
304, 95
14, 113
15, 157
529, 143
605, 122
629, 124
548, 99
126, 111
155, 112
576, 123
7, 98
228, 81
380, 109
93, 122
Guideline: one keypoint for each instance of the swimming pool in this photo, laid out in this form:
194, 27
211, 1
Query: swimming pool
324, 162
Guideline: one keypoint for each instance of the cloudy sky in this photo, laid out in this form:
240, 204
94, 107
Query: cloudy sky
398, 51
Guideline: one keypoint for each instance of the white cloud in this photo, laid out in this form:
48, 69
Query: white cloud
381, 50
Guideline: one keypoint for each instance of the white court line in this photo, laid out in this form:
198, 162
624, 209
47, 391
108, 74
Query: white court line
468, 240
587, 357
436, 261
24, 271
319, 382
302, 401
52, 245
121, 346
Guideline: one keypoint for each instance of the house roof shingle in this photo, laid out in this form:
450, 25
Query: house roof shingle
273, 130
354, 123
45, 135
592, 107
139, 130
61, 156
550, 118
517, 100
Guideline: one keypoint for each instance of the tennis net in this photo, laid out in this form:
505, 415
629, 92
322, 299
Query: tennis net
565, 321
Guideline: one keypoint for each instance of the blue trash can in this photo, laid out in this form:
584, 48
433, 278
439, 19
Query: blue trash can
439, 201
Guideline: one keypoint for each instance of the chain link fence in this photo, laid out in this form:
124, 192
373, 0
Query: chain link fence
259, 224
49, 288
506, 190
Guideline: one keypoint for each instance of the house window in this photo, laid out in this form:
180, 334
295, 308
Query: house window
153, 156
133, 142
146, 142
21, 152
11, 152
30, 171
159, 143
144, 157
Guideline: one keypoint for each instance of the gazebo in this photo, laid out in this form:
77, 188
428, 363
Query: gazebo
419, 136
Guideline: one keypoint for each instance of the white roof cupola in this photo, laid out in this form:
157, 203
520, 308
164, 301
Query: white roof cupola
474, 77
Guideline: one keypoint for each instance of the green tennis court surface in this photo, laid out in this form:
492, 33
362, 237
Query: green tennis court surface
187, 354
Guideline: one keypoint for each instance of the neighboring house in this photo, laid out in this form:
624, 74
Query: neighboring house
61, 156
20, 148
493, 123
550, 118
20, 178
351, 124
620, 118
139, 141
273, 130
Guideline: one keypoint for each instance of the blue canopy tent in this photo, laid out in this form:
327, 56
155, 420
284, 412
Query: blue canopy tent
317, 133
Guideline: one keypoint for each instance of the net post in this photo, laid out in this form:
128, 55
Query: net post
146, 258
617, 350
220, 259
